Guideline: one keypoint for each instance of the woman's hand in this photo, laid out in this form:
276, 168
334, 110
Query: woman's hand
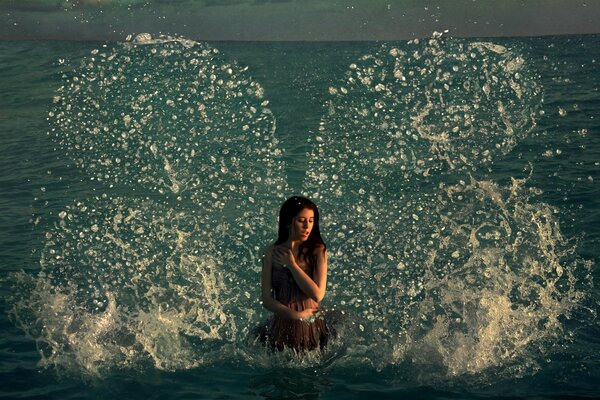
283, 257
307, 313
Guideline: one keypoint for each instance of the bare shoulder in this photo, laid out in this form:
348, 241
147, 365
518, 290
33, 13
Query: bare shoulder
320, 250
269, 250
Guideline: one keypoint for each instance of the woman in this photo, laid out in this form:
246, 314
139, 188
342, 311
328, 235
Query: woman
294, 275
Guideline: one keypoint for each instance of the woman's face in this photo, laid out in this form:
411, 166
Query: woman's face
302, 225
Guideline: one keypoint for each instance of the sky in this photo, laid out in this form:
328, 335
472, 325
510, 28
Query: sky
306, 20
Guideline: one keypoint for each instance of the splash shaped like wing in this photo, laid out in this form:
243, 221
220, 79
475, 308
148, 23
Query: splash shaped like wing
171, 117
158, 265
435, 261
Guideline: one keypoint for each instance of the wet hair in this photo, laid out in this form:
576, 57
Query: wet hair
289, 210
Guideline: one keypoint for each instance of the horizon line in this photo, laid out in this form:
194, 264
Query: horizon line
174, 36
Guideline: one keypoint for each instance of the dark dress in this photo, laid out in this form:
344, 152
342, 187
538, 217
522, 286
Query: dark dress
279, 332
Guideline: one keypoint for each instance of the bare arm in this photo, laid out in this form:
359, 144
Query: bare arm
268, 301
313, 287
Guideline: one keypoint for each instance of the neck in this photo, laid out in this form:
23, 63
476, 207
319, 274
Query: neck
293, 244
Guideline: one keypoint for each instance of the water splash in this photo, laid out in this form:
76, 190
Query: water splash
441, 266
434, 262
157, 268
170, 117
498, 282
423, 109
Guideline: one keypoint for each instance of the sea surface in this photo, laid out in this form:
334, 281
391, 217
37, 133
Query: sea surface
458, 186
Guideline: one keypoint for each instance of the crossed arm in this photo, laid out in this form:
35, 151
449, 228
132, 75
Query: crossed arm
313, 287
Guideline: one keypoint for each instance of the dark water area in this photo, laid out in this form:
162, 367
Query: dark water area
485, 288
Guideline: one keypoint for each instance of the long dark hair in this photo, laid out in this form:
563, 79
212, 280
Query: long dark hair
290, 209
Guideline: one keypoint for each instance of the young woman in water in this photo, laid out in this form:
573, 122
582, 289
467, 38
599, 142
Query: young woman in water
294, 275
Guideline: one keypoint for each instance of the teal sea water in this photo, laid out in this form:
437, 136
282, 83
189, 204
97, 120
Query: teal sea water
458, 186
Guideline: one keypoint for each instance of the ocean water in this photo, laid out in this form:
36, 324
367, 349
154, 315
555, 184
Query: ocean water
458, 186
